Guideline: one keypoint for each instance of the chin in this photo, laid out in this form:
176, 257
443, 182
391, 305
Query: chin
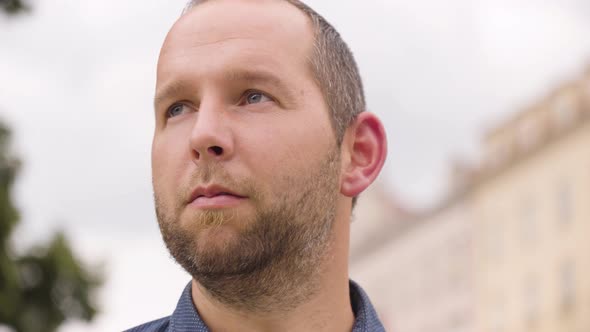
216, 237
218, 233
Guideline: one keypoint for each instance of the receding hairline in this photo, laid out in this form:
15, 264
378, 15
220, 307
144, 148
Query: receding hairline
192, 4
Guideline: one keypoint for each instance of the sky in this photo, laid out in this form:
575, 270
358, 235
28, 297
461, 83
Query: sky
76, 87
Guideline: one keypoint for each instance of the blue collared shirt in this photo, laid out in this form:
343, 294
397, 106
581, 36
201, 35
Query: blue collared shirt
186, 318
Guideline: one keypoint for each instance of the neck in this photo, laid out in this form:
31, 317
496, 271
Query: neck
329, 310
326, 309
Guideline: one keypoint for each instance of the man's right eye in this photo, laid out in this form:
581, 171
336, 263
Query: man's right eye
175, 110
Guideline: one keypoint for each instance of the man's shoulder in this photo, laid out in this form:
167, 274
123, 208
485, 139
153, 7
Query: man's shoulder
158, 325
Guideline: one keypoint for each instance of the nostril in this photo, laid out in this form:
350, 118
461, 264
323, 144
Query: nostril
216, 150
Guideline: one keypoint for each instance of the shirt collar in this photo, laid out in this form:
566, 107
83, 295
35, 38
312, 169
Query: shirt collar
186, 318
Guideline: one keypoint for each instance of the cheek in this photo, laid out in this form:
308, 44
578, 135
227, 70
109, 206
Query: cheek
301, 142
286, 156
166, 166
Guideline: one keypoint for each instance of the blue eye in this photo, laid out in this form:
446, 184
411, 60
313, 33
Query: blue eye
175, 110
256, 97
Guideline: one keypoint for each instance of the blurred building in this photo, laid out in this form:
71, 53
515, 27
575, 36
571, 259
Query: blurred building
531, 209
416, 268
507, 250
376, 217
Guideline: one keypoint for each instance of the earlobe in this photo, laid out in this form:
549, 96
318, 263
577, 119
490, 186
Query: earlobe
367, 146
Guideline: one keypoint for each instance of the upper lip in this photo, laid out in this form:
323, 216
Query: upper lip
210, 191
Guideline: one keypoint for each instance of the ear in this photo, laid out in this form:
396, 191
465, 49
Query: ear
365, 149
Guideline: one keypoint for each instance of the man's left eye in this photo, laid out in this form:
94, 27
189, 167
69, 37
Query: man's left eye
255, 97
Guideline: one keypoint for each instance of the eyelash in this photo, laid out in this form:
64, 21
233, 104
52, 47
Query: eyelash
250, 92
168, 115
243, 100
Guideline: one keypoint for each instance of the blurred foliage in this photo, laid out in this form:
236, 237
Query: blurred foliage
46, 285
13, 6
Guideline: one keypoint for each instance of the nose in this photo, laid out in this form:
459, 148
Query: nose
211, 136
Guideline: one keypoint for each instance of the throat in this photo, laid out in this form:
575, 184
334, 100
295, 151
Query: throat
322, 310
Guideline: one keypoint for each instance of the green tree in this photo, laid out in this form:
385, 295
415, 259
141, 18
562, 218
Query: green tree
47, 285
13, 6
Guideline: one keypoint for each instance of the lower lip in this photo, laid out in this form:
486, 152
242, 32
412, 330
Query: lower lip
219, 201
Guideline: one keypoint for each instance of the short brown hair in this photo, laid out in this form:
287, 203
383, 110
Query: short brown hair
334, 68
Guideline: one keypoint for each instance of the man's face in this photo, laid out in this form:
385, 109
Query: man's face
245, 163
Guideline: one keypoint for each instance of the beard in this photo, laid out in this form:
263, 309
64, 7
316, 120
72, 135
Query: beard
271, 260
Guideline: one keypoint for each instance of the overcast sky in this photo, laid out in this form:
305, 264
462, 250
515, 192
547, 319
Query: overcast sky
76, 86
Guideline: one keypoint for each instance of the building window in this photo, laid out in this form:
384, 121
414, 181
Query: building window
531, 302
498, 319
529, 134
459, 254
567, 286
494, 240
527, 216
564, 109
499, 150
564, 202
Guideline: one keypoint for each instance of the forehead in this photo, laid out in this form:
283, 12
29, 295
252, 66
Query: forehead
256, 32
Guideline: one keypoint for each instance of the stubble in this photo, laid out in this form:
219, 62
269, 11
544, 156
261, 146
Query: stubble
274, 263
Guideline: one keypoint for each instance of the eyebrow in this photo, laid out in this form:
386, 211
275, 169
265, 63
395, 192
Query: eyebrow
262, 77
170, 89
253, 76
249, 76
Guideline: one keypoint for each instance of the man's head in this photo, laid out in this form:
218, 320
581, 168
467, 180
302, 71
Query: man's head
253, 181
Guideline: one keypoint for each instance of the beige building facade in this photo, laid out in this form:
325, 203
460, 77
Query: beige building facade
417, 271
509, 250
531, 206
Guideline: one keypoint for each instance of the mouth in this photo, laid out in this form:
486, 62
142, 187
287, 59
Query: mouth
214, 196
